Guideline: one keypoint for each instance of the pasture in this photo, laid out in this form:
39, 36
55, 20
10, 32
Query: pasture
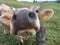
53, 25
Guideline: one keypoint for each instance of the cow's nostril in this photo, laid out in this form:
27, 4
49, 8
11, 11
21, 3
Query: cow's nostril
37, 11
32, 15
14, 17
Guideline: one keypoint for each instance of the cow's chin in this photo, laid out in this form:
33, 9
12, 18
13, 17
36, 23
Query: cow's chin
25, 32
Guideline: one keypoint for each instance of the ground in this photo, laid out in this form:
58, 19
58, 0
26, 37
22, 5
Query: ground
53, 25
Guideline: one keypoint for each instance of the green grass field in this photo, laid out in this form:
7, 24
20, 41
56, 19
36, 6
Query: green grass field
53, 25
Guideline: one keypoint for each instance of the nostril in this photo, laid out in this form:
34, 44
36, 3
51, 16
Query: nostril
37, 11
32, 15
14, 17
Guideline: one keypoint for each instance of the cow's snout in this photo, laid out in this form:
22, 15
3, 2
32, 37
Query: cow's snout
25, 18
34, 20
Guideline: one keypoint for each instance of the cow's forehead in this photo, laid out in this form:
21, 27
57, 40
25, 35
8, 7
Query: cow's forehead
23, 11
24, 8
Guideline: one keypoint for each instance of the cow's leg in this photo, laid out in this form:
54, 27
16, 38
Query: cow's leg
40, 36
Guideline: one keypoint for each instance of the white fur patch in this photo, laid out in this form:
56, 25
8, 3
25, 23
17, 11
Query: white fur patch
11, 28
37, 22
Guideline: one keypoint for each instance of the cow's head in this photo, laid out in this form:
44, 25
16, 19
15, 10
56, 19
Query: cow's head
25, 19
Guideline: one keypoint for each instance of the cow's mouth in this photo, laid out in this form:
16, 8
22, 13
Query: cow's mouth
25, 32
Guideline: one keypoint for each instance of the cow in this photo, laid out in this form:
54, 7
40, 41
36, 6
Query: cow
26, 20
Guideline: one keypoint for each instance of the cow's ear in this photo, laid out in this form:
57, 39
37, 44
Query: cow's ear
35, 8
6, 13
46, 14
5, 19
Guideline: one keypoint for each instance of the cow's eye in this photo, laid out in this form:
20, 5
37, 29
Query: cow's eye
14, 17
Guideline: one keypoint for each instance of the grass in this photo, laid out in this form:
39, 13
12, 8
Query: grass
53, 25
